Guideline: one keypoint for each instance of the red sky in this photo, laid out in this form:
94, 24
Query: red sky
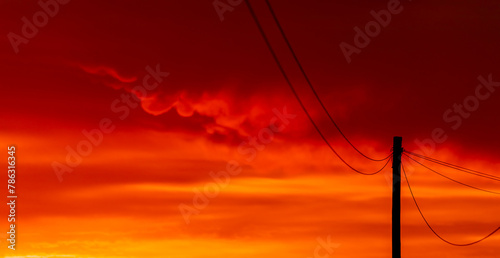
222, 87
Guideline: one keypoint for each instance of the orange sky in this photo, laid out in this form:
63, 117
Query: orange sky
123, 202
219, 99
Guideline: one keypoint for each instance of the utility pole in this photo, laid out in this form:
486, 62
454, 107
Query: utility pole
397, 150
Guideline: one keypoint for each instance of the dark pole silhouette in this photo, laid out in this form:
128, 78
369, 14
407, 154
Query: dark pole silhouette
396, 197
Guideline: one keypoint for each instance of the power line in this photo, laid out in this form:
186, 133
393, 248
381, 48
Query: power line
456, 181
338, 128
430, 227
388, 158
456, 167
283, 34
261, 30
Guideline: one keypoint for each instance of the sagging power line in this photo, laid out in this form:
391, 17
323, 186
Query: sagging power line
283, 34
456, 167
287, 79
396, 153
434, 231
449, 178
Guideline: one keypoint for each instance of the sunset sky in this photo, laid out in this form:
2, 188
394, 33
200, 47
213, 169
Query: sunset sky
216, 101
